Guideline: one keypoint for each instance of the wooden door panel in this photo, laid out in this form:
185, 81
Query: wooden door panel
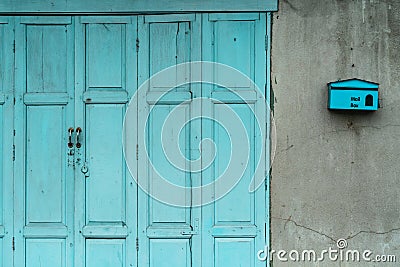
44, 165
234, 252
47, 58
106, 252
36, 248
234, 225
165, 41
169, 44
242, 212
105, 193
170, 252
105, 55
45, 175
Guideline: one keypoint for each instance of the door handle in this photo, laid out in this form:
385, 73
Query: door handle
70, 131
78, 131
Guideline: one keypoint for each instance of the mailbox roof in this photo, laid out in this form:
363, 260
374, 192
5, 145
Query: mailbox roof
354, 84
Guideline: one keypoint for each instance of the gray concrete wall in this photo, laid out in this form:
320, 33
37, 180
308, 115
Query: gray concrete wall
335, 174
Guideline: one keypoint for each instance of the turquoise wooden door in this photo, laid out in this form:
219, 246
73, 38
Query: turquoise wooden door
43, 173
74, 202
166, 236
105, 193
6, 141
229, 230
234, 226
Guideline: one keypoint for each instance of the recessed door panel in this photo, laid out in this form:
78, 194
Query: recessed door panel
37, 248
106, 252
170, 42
105, 185
46, 58
105, 55
45, 175
170, 252
160, 212
234, 252
243, 210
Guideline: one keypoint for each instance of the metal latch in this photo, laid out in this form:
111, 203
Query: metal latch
195, 230
85, 169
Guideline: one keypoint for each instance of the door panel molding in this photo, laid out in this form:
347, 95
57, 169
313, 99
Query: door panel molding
105, 231
107, 19
37, 99
46, 20
169, 18
106, 97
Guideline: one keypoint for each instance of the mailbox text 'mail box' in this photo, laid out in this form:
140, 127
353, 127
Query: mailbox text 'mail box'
353, 94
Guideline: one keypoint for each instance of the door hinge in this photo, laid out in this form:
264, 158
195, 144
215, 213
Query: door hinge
137, 152
13, 243
137, 244
14, 46
266, 42
137, 44
13, 152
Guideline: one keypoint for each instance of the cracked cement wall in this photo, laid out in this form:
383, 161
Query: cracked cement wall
335, 174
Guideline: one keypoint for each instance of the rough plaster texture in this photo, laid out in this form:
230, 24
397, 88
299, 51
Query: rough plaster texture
335, 174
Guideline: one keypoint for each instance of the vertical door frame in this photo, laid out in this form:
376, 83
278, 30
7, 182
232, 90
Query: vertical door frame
7, 156
79, 194
269, 144
19, 168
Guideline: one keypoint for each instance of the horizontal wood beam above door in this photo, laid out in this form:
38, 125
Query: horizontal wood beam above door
137, 6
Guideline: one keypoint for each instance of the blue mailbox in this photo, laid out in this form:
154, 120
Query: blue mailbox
353, 94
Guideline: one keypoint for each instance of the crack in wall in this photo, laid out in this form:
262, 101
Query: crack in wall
289, 219
351, 236
373, 232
